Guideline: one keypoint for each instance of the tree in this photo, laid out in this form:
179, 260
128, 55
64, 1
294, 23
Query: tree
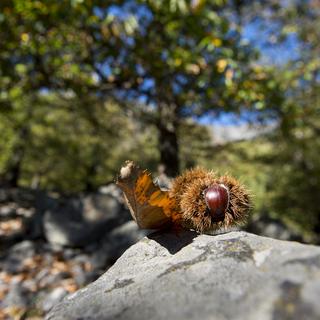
296, 175
181, 59
301, 117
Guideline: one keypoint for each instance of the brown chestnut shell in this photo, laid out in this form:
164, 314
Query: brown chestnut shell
217, 201
193, 208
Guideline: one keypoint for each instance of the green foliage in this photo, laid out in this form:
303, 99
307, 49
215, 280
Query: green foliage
292, 170
185, 58
59, 147
283, 185
297, 180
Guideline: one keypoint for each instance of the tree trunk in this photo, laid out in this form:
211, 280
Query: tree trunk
14, 170
92, 172
316, 229
13, 173
167, 126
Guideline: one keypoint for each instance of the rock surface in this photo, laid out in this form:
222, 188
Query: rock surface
84, 219
236, 275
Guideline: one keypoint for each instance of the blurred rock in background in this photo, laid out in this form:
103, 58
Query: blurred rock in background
53, 245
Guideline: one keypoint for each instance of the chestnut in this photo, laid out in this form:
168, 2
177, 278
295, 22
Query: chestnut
217, 201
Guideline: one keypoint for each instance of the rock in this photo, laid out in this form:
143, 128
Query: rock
16, 297
85, 219
52, 279
24, 249
267, 226
116, 242
20, 197
112, 190
24, 203
12, 262
69, 253
55, 296
79, 275
8, 211
236, 275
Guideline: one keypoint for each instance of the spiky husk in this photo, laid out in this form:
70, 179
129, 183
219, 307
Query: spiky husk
180, 183
180, 186
190, 203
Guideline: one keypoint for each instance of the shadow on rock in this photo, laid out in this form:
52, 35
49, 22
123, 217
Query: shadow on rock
173, 242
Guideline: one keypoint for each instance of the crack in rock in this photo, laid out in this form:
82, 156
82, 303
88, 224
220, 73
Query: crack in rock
118, 284
313, 261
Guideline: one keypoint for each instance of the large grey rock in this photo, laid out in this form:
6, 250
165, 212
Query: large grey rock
236, 275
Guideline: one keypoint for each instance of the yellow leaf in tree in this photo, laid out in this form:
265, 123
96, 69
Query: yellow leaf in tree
221, 65
217, 42
25, 37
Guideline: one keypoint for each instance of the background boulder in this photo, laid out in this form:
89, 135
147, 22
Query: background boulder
78, 221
